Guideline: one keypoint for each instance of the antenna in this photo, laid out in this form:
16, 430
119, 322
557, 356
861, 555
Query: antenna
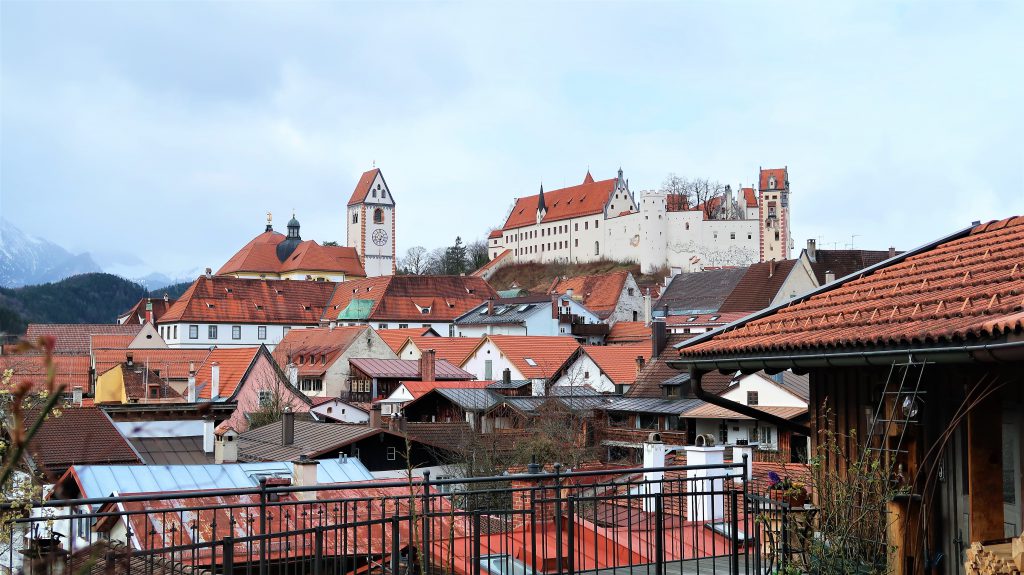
852, 238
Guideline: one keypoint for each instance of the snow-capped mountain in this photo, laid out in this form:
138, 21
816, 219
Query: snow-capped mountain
26, 260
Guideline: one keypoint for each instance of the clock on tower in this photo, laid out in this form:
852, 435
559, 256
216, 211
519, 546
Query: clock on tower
371, 224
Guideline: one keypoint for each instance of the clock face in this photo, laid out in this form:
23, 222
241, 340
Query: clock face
380, 237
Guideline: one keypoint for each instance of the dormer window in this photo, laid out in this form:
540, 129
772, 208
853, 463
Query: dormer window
771, 182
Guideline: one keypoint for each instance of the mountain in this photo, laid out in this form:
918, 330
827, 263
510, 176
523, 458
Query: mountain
85, 298
25, 260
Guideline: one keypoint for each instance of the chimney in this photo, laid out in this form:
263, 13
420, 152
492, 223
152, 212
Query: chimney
659, 336
490, 307
190, 393
830, 276
167, 298
149, 311
654, 459
892, 251
293, 374
214, 380
208, 428
568, 293
771, 267
225, 448
812, 250
375, 417
76, 395
428, 365
647, 306
304, 474
209, 273
506, 376
554, 306
639, 364
287, 427
129, 360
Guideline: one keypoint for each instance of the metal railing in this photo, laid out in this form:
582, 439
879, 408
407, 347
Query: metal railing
656, 521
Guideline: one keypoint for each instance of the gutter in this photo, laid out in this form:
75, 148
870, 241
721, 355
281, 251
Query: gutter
780, 422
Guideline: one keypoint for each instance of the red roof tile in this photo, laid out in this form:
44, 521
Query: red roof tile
572, 202
963, 289
598, 293
709, 411
396, 338
110, 341
781, 178
172, 363
314, 350
419, 388
491, 264
260, 256
228, 299
494, 234
71, 371
79, 435
547, 353
452, 349
758, 287
75, 338
750, 197
403, 298
363, 187
233, 363
625, 332
618, 362
137, 314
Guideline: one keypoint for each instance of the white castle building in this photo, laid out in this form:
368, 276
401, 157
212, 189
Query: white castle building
604, 220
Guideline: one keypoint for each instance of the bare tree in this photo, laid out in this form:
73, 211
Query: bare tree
476, 254
435, 262
273, 396
707, 195
675, 186
415, 261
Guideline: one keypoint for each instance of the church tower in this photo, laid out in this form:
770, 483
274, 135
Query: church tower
773, 210
371, 224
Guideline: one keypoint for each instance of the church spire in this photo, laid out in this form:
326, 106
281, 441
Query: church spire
588, 179
541, 206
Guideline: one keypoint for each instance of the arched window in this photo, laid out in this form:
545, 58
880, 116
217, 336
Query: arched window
378, 216
597, 248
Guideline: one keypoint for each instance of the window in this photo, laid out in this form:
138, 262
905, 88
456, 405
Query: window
723, 432
312, 384
636, 316
403, 326
765, 436
749, 236
265, 398
751, 398
261, 332
378, 216
776, 235
451, 330
530, 362
595, 224
355, 217
715, 235
392, 454
586, 225
577, 226
382, 326
211, 332
732, 235
597, 248
577, 243
174, 331
630, 291
488, 369
236, 332
193, 332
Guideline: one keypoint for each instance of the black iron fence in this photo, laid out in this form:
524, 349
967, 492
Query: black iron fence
691, 519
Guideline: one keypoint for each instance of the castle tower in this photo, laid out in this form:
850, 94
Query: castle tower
773, 211
371, 224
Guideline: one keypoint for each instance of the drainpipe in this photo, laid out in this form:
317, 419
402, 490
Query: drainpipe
780, 422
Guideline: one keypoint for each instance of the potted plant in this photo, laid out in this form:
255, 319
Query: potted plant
792, 493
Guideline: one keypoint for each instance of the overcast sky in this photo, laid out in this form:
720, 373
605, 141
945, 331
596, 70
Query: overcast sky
165, 131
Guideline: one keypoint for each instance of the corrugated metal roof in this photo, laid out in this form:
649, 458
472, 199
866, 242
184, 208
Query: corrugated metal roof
654, 405
106, 480
514, 384
406, 368
470, 399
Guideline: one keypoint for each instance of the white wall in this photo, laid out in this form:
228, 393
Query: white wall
768, 392
342, 411
584, 371
476, 363
250, 335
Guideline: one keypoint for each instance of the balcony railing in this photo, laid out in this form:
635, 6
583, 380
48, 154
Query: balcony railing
654, 520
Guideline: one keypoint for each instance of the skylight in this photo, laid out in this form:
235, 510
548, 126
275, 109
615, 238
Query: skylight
524, 307
530, 362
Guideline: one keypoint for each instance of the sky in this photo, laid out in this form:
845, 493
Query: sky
158, 134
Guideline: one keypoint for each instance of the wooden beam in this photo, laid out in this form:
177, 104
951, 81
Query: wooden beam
985, 469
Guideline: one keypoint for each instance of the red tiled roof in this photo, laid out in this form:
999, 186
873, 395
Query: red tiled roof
572, 202
709, 411
781, 177
964, 289
71, 371
758, 287
494, 234
548, 353
260, 256
233, 362
363, 187
79, 435
497, 259
406, 369
314, 350
396, 338
618, 362
452, 349
750, 196
398, 298
588, 179
228, 299
137, 314
110, 341
419, 388
598, 293
137, 380
625, 332
75, 338
172, 363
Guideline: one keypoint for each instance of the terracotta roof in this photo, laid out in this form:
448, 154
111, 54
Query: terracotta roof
657, 372
404, 298
572, 202
406, 369
758, 287
228, 299
79, 435
963, 289
419, 388
494, 234
709, 411
314, 350
750, 196
396, 338
234, 362
699, 292
618, 362
71, 371
588, 179
599, 293
625, 332
363, 187
454, 436
491, 264
110, 341
844, 262
75, 338
536, 356
137, 314
172, 363
451, 349
781, 178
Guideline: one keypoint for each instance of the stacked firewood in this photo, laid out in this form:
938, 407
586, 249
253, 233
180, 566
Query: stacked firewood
1003, 557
